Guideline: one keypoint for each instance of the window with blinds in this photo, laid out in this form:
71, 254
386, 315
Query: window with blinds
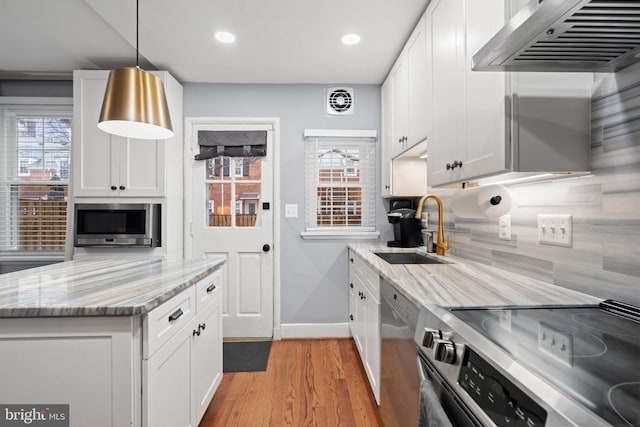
36, 158
340, 183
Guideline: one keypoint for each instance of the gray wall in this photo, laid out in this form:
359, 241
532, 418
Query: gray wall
605, 258
36, 88
313, 273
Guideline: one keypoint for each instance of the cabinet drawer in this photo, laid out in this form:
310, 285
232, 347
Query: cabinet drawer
365, 275
208, 289
166, 320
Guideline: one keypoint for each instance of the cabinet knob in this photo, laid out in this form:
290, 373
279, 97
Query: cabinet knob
351, 316
363, 296
202, 326
386, 187
351, 285
457, 164
449, 167
122, 187
114, 188
196, 332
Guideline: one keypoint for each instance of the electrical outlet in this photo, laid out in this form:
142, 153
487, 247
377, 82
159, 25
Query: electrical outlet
555, 343
555, 230
504, 227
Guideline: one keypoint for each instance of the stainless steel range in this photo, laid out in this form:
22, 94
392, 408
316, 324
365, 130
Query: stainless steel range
534, 366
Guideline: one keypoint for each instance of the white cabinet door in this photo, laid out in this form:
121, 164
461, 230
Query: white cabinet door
445, 20
400, 105
372, 347
419, 82
386, 147
167, 394
485, 136
206, 366
105, 165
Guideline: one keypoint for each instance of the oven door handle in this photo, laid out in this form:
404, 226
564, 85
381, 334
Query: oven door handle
423, 374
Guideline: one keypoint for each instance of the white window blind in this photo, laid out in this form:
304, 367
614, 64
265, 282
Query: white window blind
35, 148
340, 179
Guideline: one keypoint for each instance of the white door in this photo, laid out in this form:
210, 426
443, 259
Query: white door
232, 216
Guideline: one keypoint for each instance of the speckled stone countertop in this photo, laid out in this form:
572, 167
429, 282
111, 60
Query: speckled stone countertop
465, 283
110, 287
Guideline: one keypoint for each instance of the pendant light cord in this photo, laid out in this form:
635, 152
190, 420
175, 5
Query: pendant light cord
137, 32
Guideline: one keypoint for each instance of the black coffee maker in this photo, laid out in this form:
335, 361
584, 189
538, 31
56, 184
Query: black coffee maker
406, 228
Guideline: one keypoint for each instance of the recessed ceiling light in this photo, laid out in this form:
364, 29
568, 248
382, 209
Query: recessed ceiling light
224, 37
350, 39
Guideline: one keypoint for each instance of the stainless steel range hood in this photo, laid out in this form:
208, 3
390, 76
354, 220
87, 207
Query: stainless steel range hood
566, 35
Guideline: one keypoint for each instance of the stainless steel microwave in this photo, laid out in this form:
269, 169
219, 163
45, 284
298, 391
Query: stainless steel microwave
117, 224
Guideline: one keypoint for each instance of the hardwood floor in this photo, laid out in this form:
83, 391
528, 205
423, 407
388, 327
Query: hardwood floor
318, 383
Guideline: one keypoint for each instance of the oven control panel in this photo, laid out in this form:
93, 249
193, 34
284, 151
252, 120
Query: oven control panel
498, 397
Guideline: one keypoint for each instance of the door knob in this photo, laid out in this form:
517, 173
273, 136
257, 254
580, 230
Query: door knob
266, 248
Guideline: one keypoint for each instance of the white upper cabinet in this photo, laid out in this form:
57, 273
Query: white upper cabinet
106, 165
387, 137
406, 118
445, 23
410, 81
488, 123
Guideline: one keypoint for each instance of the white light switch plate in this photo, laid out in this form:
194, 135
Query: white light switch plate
556, 230
504, 227
291, 211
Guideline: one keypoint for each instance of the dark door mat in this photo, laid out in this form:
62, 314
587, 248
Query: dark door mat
245, 356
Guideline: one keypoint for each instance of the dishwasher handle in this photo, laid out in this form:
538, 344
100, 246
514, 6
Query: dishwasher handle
423, 374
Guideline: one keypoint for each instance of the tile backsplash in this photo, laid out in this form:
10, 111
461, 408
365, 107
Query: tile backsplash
605, 258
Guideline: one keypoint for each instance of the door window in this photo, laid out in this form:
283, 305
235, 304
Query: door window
233, 187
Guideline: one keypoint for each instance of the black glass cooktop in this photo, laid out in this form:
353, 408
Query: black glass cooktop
589, 353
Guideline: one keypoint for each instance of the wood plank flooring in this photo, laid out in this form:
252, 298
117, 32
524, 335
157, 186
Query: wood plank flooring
318, 383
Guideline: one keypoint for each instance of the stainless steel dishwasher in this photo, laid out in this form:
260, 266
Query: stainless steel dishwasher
400, 379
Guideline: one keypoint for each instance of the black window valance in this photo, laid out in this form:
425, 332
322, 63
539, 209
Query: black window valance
231, 143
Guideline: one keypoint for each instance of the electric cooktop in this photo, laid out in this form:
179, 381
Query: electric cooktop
592, 354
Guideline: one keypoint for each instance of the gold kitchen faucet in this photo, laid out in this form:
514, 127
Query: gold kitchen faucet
441, 246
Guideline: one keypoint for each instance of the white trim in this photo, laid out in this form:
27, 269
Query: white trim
340, 133
259, 123
315, 330
339, 235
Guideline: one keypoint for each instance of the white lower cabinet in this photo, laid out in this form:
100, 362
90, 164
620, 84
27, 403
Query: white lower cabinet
364, 318
206, 356
167, 388
181, 377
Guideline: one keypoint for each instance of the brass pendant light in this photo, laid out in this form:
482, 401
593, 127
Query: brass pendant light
135, 105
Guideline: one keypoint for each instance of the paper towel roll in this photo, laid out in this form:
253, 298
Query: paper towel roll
481, 202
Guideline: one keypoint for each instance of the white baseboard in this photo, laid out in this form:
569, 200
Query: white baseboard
315, 330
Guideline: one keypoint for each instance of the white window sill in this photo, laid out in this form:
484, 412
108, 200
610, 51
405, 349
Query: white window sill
339, 235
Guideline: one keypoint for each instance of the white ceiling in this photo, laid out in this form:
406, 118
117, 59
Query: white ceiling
277, 41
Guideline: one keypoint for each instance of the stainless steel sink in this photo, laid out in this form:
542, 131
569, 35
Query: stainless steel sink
409, 258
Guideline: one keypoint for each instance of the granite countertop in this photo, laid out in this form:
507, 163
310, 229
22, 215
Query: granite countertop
465, 283
109, 287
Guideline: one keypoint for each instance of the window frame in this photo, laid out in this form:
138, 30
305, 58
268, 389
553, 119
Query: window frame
45, 106
323, 139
